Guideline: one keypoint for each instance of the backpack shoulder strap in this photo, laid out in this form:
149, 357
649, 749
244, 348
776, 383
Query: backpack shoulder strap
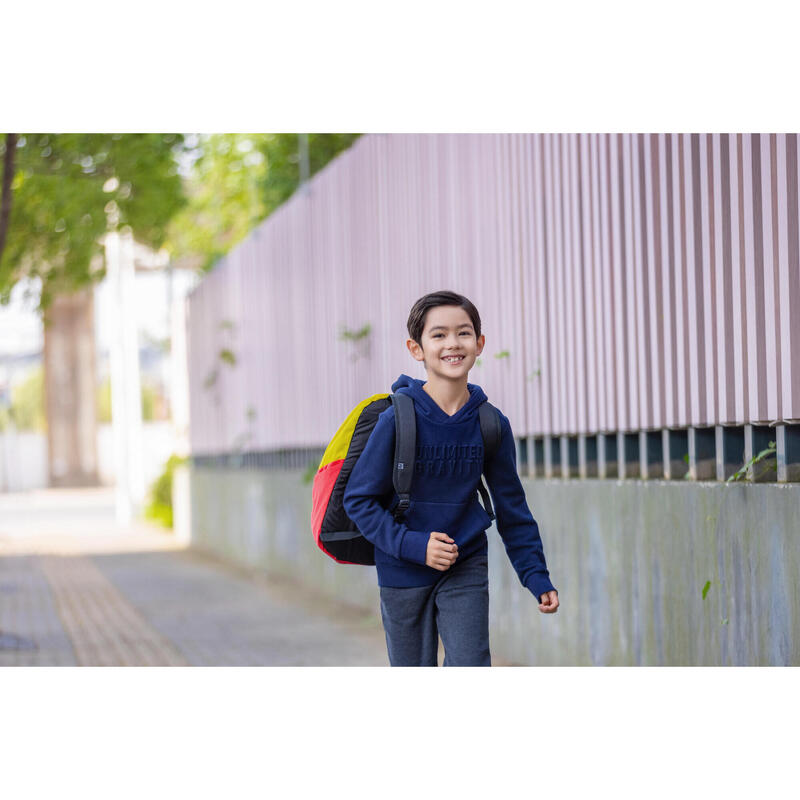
490, 429
491, 432
405, 448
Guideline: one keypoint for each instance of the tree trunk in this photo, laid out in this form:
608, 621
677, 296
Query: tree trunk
69, 380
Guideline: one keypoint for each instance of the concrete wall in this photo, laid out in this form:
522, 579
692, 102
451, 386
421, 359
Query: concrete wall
630, 559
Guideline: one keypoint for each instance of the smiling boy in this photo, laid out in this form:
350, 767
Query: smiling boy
433, 565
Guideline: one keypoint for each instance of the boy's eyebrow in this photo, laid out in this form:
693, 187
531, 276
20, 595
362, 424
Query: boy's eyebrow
444, 328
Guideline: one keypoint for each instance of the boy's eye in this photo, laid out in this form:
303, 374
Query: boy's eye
463, 333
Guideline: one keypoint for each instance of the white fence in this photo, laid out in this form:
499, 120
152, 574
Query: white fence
627, 282
23, 456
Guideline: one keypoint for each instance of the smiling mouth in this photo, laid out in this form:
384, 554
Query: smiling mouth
453, 359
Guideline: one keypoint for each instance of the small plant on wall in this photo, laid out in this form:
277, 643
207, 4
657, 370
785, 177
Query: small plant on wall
499, 355
360, 340
770, 465
247, 436
537, 373
225, 356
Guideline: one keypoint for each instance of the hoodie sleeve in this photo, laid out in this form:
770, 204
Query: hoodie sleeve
371, 479
515, 523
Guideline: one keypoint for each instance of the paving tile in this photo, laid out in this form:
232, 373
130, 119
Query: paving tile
84, 592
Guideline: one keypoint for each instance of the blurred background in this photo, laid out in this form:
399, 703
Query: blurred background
187, 318
87, 302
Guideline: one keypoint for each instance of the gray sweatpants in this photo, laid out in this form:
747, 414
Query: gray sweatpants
456, 608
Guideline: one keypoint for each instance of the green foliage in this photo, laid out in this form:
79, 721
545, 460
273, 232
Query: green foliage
309, 474
227, 356
224, 198
64, 187
237, 180
360, 340
502, 354
159, 505
353, 336
104, 401
27, 403
211, 378
741, 473
281, 152
150, 402
26, 410
706, 588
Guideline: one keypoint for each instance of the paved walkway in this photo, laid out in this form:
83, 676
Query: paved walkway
77, 590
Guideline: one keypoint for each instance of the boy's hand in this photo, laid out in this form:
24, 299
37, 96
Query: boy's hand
548, 603
442, 551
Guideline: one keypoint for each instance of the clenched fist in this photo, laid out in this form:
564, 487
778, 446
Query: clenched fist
442, 551
548, 602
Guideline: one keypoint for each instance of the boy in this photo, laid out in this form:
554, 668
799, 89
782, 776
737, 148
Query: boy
432, 566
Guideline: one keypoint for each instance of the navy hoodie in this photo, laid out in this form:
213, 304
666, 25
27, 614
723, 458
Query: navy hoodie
444, 497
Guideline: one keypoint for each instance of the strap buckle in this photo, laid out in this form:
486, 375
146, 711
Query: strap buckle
402, 506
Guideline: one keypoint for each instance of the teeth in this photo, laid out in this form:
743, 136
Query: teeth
453, 359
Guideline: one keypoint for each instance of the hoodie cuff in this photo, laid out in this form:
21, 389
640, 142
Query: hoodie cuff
414, 546
539, 584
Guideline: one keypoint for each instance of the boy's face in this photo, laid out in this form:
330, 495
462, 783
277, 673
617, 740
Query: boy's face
448, 332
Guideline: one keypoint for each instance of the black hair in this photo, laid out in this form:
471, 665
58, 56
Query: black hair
416, 319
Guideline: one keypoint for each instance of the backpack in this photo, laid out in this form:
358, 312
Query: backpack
334, 532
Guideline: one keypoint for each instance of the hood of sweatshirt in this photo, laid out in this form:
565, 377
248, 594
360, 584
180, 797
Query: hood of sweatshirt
427, 406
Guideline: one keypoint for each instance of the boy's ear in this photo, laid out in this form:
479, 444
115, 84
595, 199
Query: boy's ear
415, 350
481, 343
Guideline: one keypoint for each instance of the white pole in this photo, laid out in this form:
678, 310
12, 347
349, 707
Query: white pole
122, 496
179, 373
126, 408
5, 472
179, 405
133, 386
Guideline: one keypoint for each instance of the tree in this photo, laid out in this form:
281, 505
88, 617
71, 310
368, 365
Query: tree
281, 151
237, 180
64, 188
224, 198
61, 193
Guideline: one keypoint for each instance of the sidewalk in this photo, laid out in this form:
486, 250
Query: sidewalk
77, 590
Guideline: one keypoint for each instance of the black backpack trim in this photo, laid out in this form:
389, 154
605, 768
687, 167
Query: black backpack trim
491, 431
340, 534
405, 450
